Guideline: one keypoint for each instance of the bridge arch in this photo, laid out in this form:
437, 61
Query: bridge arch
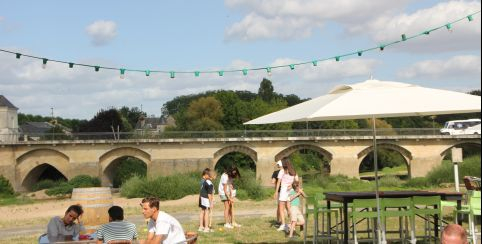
31, 165
406, 154
108, 161
476, 143
235, 148
297, 147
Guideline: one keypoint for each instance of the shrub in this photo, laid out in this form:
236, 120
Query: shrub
250, 185
79, 181
84, 181
127, 168
63, 188
45, 184
390, 181
132, 186
6, 189
444, 173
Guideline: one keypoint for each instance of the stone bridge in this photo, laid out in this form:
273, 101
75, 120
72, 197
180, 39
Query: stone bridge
24, 161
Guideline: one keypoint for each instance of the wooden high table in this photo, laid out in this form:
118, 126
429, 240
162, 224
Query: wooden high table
348, 197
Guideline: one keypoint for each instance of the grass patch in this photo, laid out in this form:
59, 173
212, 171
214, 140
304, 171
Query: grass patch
181, 185
64, 188
14, 200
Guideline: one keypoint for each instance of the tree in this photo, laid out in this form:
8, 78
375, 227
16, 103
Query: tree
205, 114
132, 115
266, 90
104, 120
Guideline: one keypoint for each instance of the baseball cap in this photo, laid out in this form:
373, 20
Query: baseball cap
279, 163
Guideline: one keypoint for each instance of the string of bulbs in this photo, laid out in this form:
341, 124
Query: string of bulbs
244, 71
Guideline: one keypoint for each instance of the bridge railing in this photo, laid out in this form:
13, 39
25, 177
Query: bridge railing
148, 134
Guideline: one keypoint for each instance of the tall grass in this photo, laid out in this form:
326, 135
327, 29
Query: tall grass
181, 185
445, 172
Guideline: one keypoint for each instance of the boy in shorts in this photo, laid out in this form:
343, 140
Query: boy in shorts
205, 201
296, 214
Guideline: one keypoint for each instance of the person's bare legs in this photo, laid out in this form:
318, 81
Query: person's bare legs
282, 206
201, 219
206, 219
227, 207
278, 212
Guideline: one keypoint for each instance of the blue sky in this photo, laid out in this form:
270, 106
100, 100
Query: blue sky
193, 35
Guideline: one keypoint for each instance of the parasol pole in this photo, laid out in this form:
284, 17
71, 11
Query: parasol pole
377, 195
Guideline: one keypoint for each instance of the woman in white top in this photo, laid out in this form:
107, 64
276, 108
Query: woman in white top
286, 177
227, 194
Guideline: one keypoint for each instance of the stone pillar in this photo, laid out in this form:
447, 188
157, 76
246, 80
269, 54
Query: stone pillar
421, 165
345, 161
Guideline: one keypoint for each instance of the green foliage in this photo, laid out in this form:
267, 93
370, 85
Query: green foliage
249, 186
417, 182
6, 189
128, 168
390, 181
73, 124
444, 173
342, 183
104, 120
131, 115
386, 158
165, 188
240, 160
266, 90
308, 161
45, 184
77, 182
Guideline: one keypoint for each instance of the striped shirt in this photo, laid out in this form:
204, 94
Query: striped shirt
117, 230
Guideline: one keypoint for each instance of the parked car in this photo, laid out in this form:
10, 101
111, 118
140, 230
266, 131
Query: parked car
461, 127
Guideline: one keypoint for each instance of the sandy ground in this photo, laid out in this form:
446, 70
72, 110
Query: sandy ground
57, 207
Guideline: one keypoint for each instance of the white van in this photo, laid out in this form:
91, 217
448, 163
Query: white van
461, 127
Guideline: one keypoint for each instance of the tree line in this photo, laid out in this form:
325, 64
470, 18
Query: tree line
228, 110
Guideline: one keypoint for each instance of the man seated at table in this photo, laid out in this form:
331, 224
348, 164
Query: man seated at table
117, 229
65, 228
162, 227
454, 234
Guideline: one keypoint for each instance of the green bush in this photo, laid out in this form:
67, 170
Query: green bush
164, 187
84, 181
444, 173
127, 168
45, 184
342, 183
63, 188
390, 181
250, 185
6, 189
79, 181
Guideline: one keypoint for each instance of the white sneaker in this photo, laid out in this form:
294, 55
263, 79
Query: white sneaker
236, 225
200, 229
281, 228
287, 228
228, 226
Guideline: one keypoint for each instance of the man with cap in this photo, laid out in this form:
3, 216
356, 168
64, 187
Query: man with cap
274, 181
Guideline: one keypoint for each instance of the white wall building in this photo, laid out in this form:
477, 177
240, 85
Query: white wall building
8, 121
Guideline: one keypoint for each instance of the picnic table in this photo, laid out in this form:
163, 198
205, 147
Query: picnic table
347, 197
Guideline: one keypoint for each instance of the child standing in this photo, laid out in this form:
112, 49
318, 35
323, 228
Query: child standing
296, 214
227, 194
205, 201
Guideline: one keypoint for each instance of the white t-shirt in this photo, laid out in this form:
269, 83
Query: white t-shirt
168, 226
224, 180
286, 179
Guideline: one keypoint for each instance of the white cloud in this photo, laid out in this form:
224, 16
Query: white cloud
457, 67
102, 32
294, 19
465, 36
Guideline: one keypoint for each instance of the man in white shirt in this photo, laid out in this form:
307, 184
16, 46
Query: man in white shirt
162, 227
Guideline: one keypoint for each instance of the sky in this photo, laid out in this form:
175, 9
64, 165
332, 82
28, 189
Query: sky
190, 35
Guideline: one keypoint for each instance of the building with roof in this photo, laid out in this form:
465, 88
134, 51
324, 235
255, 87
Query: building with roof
154, 124
8, 120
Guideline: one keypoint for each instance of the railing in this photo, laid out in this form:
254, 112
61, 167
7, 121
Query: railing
217, 134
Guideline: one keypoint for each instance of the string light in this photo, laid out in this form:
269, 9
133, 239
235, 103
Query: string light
44, 63
197, 73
